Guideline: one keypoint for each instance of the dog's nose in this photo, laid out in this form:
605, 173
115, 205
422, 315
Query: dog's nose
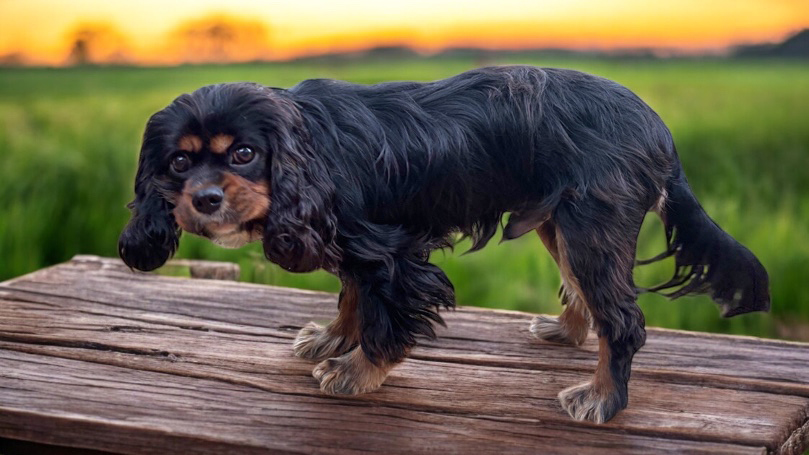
208, 200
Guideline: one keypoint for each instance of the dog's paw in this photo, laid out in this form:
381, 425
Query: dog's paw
315, 342
550, 329
349, 374
586, 402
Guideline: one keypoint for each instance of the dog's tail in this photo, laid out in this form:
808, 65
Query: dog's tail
707, 259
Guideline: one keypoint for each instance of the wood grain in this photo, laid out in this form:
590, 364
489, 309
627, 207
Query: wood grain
93, 355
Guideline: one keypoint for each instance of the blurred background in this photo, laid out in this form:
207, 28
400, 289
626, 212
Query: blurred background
79, 79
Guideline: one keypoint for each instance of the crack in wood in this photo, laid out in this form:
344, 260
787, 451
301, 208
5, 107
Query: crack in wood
95, 346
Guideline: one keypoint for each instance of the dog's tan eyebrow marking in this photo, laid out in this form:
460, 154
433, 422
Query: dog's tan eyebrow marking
190, 143
220, 143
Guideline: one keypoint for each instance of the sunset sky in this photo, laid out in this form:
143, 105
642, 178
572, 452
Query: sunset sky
40, 28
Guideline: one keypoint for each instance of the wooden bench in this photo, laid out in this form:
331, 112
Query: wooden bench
95, 356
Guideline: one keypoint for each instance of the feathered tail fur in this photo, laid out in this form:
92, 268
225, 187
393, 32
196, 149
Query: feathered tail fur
707, 259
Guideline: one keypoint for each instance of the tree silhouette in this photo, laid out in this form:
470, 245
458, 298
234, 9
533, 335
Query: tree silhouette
93, 43
220, 38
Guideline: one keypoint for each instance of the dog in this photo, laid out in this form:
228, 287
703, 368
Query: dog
365, 181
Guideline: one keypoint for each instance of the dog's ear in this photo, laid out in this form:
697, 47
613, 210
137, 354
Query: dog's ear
151, 237
301, 228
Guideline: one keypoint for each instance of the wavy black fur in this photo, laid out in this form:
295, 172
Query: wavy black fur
707, 259
367, 180
152, 236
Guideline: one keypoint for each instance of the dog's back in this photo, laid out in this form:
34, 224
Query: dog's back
490, 141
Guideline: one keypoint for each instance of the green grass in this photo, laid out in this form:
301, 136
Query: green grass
69, 140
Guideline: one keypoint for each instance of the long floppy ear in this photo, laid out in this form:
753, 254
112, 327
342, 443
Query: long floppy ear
151, 237
301, 227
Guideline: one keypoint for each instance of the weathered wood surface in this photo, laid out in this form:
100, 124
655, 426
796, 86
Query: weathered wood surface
212, 270
93, 355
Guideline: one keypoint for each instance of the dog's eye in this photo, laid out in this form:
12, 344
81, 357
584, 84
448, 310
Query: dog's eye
243, 155
180, 163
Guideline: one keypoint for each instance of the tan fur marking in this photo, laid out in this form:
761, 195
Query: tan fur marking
574, 323
315, 342
547, 233
221, 143
570, 280
346, 323
595, 400
245, 201
350, 374
603, 382
575, 296
190, 143
248, 199
184, 213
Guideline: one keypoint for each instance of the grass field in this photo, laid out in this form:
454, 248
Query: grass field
69, 140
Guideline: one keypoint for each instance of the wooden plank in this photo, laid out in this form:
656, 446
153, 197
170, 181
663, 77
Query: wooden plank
212, 270
473, 335
96, 312
70, 402
229, 355
669, 355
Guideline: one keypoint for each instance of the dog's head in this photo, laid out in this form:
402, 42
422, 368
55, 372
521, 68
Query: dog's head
233, 163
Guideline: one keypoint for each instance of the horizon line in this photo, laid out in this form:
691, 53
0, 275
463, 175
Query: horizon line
22, 59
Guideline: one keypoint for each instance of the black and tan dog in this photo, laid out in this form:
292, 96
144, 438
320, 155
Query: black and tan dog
365, 181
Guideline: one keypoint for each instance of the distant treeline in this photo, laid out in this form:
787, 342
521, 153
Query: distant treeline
218, 39
794, 46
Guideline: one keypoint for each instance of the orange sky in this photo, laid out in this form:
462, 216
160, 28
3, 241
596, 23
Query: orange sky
39, 28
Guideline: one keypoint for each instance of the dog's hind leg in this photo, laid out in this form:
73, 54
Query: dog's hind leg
596, 242
316, 342
574, 323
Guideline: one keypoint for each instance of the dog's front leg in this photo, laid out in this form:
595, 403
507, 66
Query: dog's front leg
316, 342
398, 294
